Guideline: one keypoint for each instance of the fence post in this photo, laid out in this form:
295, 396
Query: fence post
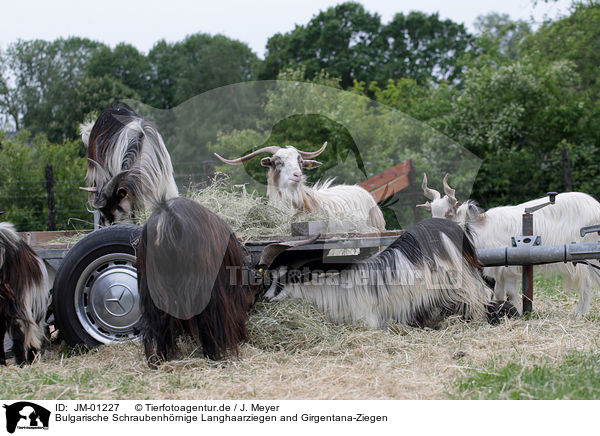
527, 269
566, 163
50, 197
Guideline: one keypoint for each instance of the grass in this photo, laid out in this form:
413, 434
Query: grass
295, 353
575, 376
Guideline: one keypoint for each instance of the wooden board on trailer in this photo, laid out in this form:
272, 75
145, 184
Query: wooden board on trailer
389, 182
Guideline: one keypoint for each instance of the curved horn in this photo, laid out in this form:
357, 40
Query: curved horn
312, 154
432, 194
97, 166
449, 191
241, 160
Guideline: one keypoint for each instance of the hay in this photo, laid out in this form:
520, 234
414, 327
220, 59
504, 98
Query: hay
250, 215
68, 241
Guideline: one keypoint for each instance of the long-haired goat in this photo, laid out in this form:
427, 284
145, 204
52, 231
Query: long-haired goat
557, 224
24, 296
189, 265
430, 271
286, 186
129, 168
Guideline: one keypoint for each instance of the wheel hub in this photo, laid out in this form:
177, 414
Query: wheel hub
107, 299
114, 298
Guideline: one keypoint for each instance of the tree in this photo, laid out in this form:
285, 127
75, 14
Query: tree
46, 76
507, 34
518, 118
343, 40
575, 38
350, 43
207, 62
424, 48
125, 64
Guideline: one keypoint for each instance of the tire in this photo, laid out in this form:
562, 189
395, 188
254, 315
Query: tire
95, 298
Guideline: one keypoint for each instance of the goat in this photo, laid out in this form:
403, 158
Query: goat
286, 185
129, 168
189, 266
286, 188
24, 296
557, 224
429, 272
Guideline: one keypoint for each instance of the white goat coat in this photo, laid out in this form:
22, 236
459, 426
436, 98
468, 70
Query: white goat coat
557, 224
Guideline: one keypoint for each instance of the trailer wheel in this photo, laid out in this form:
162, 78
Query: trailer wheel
96, 299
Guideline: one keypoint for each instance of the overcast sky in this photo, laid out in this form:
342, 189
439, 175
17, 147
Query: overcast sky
142, 23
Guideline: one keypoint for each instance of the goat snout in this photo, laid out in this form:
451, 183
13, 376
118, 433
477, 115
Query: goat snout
296, 177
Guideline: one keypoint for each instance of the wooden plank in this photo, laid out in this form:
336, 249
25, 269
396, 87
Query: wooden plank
309, 228
329, 239
402, 169
46, 239
391, 188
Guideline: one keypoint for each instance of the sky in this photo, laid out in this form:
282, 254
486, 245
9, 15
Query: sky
143, 23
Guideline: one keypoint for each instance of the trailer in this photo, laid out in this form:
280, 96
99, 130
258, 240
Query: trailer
94, 296
95, 299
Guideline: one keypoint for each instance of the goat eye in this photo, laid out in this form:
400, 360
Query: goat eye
121, 193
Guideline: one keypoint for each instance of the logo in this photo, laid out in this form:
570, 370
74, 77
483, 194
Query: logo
26, 415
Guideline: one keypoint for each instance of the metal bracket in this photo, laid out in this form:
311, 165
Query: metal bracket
526, 241
551, 198
590, 229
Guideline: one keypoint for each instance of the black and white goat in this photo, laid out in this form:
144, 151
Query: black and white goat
24, 296
429, 272
286, 186
557, 224
190, 266
129, 167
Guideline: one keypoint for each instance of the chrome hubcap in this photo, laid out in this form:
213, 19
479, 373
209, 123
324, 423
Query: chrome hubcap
107, 300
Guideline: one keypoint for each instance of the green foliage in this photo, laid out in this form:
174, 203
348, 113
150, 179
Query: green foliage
353, 44
576, 376
518, 117
47, 77
207, 62
23, 185
508, 35
512, 96
575, 38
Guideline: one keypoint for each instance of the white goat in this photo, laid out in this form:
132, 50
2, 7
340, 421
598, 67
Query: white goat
557, 224
286, 186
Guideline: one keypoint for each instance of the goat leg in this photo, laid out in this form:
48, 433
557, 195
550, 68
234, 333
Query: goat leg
18, 338
2, 334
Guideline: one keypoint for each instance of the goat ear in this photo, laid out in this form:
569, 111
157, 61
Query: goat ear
266, 162
310, 164
426, 205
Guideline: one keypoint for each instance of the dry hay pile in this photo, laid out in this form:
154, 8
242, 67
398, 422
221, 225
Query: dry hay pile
295, 353
250, 215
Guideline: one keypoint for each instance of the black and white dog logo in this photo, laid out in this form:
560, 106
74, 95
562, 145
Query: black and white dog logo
26, 415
